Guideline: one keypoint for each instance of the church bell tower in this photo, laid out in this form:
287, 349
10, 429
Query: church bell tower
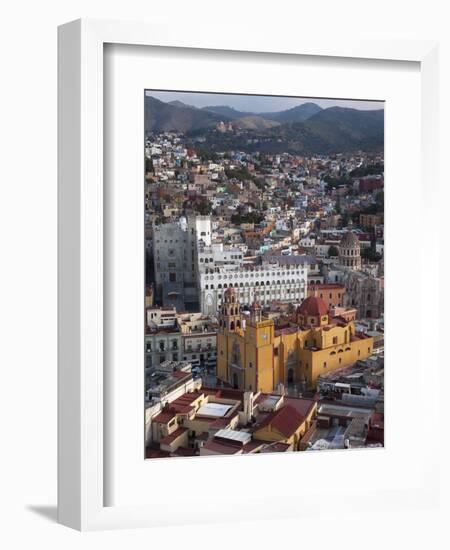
230, 312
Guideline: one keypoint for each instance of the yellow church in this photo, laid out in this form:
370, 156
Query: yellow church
253, 354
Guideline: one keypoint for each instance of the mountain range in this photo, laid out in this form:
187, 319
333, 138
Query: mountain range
306, 128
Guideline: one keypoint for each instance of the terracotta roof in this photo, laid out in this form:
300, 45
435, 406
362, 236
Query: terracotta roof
221, 422
313, 306
184, 451
164, 416
285, 420
171, 437
222, 448
155, 453
302, 405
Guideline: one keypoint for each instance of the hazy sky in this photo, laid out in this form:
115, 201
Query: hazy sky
254, 103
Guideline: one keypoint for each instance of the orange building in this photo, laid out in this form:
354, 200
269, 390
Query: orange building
332, 295
254, 355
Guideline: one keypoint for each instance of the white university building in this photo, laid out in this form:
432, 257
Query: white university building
190, 267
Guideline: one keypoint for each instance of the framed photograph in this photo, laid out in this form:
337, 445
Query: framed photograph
233, 304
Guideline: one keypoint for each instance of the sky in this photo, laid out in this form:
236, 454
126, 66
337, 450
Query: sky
255, 104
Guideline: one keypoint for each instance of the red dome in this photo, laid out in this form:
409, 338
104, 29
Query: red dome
313, 307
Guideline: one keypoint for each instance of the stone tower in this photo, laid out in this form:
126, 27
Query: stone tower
230, 312
350, 251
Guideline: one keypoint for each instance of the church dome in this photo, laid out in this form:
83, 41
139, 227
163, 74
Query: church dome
313, 307
350, 239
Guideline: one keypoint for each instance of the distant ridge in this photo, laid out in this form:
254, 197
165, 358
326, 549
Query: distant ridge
228, 112
177, 103
305, 129
160, 116
296, 114
300, 113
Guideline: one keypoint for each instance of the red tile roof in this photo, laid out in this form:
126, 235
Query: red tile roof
184, 451
221, 422
313, 306
155, 453
171, 437
164, 416
222, 448
302, 405
285, 420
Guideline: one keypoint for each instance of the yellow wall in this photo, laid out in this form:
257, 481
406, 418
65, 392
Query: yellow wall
266, 358
271, 434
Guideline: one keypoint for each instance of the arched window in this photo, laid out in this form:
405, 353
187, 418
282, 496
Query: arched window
238, 324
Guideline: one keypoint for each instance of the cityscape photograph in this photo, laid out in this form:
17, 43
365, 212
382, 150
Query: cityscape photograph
264, 274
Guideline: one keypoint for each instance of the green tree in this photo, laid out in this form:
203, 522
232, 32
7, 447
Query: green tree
203, 207
333, 251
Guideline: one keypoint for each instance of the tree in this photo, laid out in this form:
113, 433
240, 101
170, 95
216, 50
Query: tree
333, 251
203, 207
344, 220
370, 254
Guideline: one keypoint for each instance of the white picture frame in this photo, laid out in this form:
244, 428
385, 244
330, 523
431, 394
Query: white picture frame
82, 483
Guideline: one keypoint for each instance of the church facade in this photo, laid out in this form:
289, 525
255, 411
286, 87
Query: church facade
256, 355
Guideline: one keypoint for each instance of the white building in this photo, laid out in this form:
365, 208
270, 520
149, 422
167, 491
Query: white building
263, 284
175, 253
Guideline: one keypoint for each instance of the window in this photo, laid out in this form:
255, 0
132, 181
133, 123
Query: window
149, 347
250, 365
335, 340
161, 346
172, 277
324, 364
275, 351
